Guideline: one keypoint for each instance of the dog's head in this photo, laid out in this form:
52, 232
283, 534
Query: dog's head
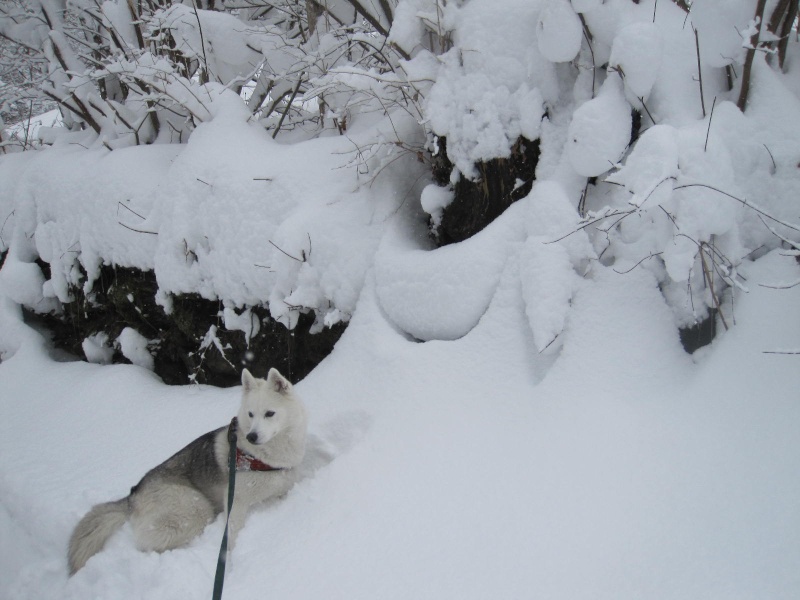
269, 406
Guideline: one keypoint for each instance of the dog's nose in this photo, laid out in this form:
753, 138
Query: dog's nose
252, 437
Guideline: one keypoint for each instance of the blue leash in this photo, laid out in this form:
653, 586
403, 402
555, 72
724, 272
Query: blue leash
219, 577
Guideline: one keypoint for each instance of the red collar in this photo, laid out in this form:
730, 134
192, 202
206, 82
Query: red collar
245, 462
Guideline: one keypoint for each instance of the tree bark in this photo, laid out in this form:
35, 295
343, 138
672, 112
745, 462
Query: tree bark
751, 53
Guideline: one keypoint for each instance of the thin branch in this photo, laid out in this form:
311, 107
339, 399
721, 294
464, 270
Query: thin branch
288, 106
120, 204
780, 287
710, 284
708, 131
202, 41
744, 202
284, 251
137, 230
647, 110
699, 70
651, 255
588, 36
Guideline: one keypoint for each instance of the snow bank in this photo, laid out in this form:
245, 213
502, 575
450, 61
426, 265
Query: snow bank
444, 468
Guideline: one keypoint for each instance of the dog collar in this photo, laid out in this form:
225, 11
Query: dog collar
245, 462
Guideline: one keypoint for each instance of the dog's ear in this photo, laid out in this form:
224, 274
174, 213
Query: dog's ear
248, 381
278, 382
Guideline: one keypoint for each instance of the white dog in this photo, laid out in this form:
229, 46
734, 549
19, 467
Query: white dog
176, 500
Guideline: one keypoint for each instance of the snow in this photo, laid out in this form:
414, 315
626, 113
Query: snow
97, 350
600, 130
559, 31
636, 53
453, 469
511, 416
490, 89
133, 346
434, 199
722, 28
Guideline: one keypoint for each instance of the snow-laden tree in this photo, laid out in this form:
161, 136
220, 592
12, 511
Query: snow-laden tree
140, 72
640, 135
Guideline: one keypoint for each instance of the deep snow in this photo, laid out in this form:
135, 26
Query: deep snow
471, 468
512, 416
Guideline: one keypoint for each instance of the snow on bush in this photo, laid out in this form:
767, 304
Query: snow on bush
600, 130
489, 89
722, 26
551, 268
97, 350
133, 346
636, 55
632, 172
558, 31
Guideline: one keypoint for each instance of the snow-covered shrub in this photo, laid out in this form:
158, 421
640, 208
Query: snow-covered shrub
597, 148
151, 71
623, 123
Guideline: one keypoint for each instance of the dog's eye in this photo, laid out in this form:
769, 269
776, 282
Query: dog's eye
250, 415
269, 413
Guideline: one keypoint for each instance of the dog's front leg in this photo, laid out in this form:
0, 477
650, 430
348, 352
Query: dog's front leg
235, 523
238, 514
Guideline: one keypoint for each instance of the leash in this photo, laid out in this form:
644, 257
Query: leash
219, 577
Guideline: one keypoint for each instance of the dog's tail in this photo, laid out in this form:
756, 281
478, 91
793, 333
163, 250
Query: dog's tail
93, 531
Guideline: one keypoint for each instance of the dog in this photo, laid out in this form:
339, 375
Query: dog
175, 501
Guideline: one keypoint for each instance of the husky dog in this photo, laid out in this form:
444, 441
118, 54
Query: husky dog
176, 500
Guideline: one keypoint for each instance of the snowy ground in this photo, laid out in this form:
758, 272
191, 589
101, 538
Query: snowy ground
461, 469
508, 417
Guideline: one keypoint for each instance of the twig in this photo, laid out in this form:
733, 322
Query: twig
708, 131
592, 221
785, 240
137, 230
774, 166
286, 253
202, 42
699, 70
652, 254
780, 287
4, 225
741, 201
129, 210
288, 106
588, 35
710, 284
647, 110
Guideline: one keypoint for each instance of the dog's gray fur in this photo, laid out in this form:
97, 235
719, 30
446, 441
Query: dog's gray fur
176, 500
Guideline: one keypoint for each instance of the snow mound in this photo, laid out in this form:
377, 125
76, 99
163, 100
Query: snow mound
636, 54
600, 130
559, 31
418, 287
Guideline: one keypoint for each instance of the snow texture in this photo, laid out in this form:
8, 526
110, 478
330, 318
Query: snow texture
600, 130
559, 31
511, 416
